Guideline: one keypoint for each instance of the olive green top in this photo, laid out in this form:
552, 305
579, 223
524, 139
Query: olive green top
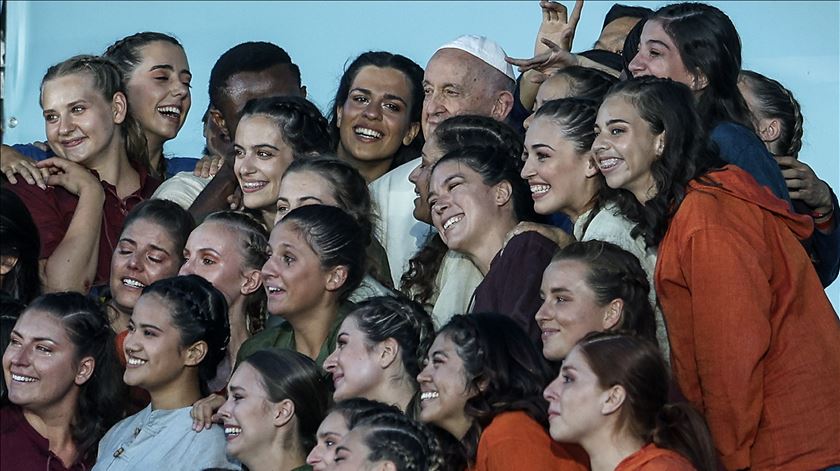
283, 336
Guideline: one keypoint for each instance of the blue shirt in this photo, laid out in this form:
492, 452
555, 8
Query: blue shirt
740, 146
162, 439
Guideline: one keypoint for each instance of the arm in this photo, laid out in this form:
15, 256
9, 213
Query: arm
214, 196
72, 265
729, 306
13, 162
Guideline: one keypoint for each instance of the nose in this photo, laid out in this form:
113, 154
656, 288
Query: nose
440, 206
542, 312
134, 261
65, 125
224, 411
425, 376
528, 168
130, 344
432, 104
314, 456
331, 361
245, 165
414, 176
373, 110
599, 144
551, 392
19, 356
527, 123
186, 268
179, 89
269, 269
637, 65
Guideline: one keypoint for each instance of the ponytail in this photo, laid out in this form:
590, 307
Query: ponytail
682, 429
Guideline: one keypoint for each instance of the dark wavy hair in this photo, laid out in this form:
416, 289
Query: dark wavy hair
108, 80
503, 366
253, 243
19, 238
614, 273
287, 374
385, 60
199, 312
637, 365
301, 123
586, 82
101, 397
710, 45
667, 107
405, 321
337, 239
454, 133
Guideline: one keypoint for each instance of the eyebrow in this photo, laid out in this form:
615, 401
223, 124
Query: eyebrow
169, 68
567, 368
558, 290
658, 42
236, 388
617, 120
306, 198
35, 339
540, 146
440, 352
388, 96
150, 326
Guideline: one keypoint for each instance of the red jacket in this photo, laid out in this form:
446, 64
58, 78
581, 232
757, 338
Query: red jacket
755, 342
652, 458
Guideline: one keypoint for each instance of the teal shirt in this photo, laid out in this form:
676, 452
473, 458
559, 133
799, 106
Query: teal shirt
283, 336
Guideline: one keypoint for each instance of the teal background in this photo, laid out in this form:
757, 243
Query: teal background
798, 43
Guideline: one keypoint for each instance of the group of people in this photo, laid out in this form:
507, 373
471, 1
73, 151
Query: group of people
612, 261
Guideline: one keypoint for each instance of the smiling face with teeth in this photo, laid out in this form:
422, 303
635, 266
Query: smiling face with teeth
420, 177
561, 178
81, 125
156, 360
374, 121
262, 156
158, 91
443, 388
463, 207
40, 365
144, 254
248, 416
625, 147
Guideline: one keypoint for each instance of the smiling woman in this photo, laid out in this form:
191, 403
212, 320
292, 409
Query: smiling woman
276, 399
59, 364
375, 119
177, 336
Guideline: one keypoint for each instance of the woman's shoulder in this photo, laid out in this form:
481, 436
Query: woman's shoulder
653, 458
513, 425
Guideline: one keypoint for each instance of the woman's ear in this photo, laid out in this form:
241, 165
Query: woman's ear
389, 352
412, 132
504, 192
612, 399
591, 167
251, 282
613, 313
769, 129
85, 370
283, 412
195, 353
119, 105
337, 116
336, 277
659, 144
699, 81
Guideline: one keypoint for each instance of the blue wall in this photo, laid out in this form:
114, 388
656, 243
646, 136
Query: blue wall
795, 42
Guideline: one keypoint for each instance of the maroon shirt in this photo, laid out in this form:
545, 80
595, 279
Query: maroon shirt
52, 210
22, 448
512, 284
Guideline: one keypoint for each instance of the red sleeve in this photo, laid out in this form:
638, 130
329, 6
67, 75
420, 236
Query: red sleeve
730, 306
46, 212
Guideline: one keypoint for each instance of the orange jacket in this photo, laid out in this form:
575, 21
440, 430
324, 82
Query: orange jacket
652, 458
755, 342
513, 440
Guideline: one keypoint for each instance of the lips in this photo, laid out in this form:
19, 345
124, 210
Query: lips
452, 221
134, 362
132, 283
170, 112
606, 164
70, 143
232, 431
337, 378
367, 134
18, 378
253, 186
539, 190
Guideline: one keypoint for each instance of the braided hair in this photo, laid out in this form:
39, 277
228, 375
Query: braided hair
394, 437
108, 80
774, 101
253, 246
614, 273
405, 321
199, 311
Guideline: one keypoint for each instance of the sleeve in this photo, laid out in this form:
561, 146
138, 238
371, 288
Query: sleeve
48, 217
730, 303
516, 280
827, 248
33, 152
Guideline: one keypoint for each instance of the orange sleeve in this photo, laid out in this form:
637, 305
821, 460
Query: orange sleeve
730, 304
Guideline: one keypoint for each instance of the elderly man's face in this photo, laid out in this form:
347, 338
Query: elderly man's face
454, 85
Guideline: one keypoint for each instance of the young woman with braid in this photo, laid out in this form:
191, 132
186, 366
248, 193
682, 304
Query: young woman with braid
100, 173
157, 80
483, 383
177, 337
611, 398
379, 351
778, 121
388, 440
564, 179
